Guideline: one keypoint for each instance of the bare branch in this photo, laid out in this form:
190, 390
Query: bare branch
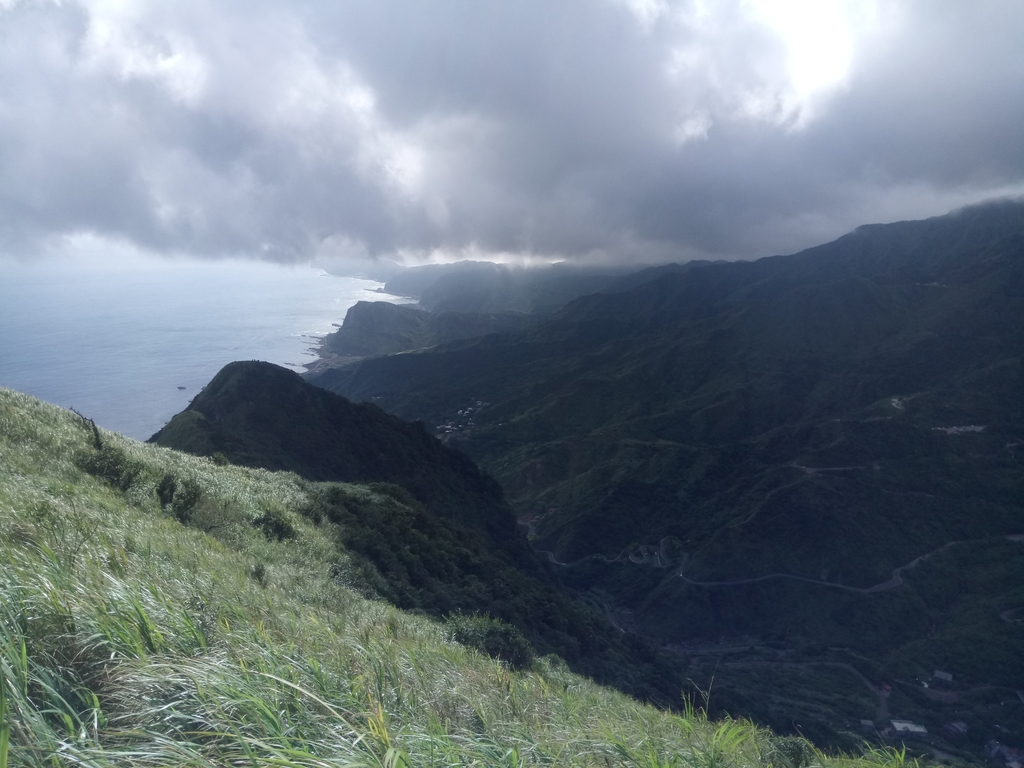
95, 430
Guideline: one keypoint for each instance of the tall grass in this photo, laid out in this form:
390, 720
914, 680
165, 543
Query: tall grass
130, 639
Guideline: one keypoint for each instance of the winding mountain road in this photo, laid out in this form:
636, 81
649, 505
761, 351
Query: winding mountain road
893, 582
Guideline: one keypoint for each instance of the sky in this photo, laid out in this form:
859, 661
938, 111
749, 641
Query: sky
601, 131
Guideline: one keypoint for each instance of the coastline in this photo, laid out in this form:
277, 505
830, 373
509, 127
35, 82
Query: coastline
325, 360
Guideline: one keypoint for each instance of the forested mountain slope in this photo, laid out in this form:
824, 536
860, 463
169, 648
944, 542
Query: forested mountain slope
710, 405
752, 449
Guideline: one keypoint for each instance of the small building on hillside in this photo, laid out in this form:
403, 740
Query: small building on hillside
907, 728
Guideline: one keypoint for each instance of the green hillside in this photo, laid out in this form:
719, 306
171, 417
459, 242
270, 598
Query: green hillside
747, 451
839, 397
131, 638
261, 415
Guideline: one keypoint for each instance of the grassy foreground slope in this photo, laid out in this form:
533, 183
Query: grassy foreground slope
130, 638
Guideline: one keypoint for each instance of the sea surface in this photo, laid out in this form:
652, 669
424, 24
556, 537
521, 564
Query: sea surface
129, 345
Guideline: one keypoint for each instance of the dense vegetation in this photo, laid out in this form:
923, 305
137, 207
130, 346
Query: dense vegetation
747, 449
128, 638
438, 537
261, 415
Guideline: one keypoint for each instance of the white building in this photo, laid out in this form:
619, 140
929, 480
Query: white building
907, 727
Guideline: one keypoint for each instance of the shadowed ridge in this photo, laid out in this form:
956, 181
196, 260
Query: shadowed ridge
261, 415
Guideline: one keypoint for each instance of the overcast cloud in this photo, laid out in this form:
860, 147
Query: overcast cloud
630, 130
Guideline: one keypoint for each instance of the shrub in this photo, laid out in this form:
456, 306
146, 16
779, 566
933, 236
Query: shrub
259, 573
165, 489
180, 497
275, 523
188, 495
494, 637
396, 492
113, 465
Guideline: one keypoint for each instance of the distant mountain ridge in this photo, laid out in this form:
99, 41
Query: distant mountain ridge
484, 287
381, 328
729, 353
827, 417
494, 298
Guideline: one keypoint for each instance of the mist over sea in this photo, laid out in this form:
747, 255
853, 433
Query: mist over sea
116, 342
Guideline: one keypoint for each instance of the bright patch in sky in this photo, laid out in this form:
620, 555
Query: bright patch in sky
116, 39
819, 39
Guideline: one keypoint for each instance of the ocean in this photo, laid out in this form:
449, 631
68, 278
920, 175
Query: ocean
129, 345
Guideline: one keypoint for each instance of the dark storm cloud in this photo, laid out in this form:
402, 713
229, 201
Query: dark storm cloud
605, 129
